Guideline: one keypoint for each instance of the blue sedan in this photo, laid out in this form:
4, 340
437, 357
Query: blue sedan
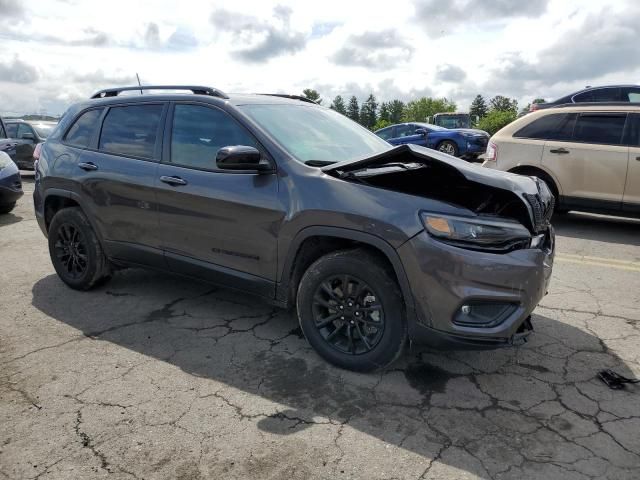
459, 142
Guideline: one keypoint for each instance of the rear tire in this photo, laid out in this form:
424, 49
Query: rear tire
351, 311
7, 208
75, 250
448, 147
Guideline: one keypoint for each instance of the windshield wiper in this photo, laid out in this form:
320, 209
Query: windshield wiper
319, 163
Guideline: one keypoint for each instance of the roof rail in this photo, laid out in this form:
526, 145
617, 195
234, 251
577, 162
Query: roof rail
292, 97
595, 104
196, 90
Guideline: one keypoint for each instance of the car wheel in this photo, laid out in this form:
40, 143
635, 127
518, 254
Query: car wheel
75, 251
7, 208
448, 147
351, 311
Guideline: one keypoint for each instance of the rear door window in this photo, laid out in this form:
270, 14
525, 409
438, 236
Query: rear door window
24, 128
601, 129
385, 134
633, 135
131, 130
557, 126
81, 132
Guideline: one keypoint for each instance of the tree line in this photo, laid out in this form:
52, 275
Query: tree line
492, 115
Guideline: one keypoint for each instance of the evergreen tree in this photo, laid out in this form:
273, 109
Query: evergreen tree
338, 105
312, 94
396, 110
368, 112
479, 107
353, 109
384, 113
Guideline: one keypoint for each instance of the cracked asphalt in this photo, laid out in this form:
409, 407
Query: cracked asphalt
155, 377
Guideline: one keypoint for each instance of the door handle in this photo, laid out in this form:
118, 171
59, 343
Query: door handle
559, 151
174, 181
88, 166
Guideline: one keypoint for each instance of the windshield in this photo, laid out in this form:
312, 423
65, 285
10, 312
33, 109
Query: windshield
314, 133
43, 130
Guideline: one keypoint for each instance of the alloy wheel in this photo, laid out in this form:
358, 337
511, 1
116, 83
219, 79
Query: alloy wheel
348, 314
71, 251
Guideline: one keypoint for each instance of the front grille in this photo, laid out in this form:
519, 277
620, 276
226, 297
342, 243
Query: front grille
541, 212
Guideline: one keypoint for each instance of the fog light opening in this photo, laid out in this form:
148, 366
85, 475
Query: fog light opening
484, 314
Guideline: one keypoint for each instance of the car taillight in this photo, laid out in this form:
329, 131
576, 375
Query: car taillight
36, 151
492, 152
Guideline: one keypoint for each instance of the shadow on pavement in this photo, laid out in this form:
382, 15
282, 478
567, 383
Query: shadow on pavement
507, 413
598, 227
9, 219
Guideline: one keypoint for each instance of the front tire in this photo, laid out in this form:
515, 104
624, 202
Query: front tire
351, 311
449, 147
75, 251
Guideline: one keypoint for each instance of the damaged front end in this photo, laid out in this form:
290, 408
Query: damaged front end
484, 258
499, 203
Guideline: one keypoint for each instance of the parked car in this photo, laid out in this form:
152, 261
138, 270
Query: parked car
24, 136
291, 201
453, 119
10, 183
607, 93
457, 142
589, 155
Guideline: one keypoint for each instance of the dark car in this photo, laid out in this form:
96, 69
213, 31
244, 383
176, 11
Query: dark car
23, 137
295, 203
10, 183
458, 142
604, 94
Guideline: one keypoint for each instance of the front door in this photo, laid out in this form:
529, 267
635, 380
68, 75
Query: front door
216, 224
592, 167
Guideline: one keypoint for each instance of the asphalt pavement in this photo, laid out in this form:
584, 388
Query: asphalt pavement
156, 377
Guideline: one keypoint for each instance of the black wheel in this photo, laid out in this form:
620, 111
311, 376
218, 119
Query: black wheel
75, 251
7, 208
351, 311
448, 147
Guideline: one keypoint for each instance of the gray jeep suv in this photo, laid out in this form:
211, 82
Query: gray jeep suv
295, 203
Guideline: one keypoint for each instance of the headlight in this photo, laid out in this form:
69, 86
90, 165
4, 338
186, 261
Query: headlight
477, 233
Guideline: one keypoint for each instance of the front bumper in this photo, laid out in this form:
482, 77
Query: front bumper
10, 185
443, 279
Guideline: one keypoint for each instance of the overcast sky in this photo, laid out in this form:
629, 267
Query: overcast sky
57, 51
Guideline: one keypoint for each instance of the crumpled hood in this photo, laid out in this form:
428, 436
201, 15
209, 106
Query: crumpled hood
472, 172
533, 192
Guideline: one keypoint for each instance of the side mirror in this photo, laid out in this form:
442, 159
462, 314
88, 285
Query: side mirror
241, 157
420, 131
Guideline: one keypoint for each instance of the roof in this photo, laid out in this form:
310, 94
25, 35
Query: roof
594, 107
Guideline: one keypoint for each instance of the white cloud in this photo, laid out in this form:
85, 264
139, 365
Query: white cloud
56, 52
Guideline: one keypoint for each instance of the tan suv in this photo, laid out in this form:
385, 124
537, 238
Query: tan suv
589, 155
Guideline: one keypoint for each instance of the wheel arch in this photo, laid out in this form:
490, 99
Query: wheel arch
56, 199
313, 242
533, 170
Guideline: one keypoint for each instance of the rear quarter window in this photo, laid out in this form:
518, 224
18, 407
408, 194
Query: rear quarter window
83, 129
556, 126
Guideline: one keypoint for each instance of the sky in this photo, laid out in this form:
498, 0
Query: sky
56, 52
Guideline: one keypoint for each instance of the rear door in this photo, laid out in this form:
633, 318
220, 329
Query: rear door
405, 133
591, 168
218, 225
631, 197
116, 179
24, 150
